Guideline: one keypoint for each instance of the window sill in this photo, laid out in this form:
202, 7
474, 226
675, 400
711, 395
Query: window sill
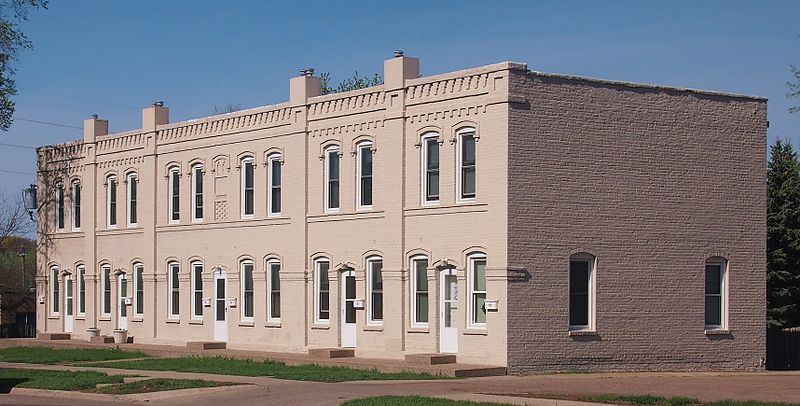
173, 321
196, 322
104, 318
320, 326
373, 327
582, 333
273, 324
476, 332
80, 317
717, 332
137, 320
53, 317
419, 330
246, 324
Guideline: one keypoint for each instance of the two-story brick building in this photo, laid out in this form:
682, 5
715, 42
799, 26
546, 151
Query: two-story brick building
514, 218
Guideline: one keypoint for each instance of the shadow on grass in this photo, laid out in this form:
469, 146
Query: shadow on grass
6, 384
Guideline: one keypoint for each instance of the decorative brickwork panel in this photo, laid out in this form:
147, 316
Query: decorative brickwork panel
221, 210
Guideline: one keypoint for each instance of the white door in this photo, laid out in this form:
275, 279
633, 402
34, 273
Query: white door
448, 311
348, 308
220, 307
68, 295
122, 288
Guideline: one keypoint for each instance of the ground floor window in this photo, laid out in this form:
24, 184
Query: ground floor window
321, 291
274, 290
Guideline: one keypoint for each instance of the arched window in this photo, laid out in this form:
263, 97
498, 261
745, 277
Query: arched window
716, 294
246, 276
375, 286
111, 201
55, 297
105, 285
174, 298
273, 290
332, 178
197, 193
274, 185
476, 283
430, 168
174, 193
419, 291
60, 205
466, 164
321, 291
81, 289
248, 187
364, 175
138, 288
197, 289
581, 291
76, 205
133, 187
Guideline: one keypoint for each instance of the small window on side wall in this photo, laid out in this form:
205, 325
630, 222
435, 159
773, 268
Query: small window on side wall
248, 187
321, 291
174, 195
274, 185
197, 193
364, 175
332, 179
111, 201
76, 205
430, 168
716, 282
477, 290
60, 206
132, 199
467, 164
419, 291
581, 292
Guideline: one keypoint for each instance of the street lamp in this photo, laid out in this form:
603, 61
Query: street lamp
29, 199
22, 257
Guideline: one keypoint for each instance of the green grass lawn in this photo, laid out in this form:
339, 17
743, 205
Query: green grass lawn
55, 380
44, 355
414, 401
228, 366
157, 385
674, 401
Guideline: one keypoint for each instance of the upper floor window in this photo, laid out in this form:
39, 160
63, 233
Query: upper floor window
133, 185
581, 292
60, 206
375, 283
248, 191
174, 290
81, 289
332, 178
76, 205
321, 291
274, 186
111, 201
364, 186
247, 290
716, 300
419, 291
55, 297
274, 290
430, 168
477, 289
197, 193
106, 286
466, 163
174, 195
138, 287
197, 290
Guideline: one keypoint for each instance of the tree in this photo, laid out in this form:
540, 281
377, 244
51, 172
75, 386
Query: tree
13, 218
12, 42
14, 253
354, 83
794, 88
783, 237
228, 108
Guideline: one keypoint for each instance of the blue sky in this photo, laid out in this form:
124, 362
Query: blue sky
112, 58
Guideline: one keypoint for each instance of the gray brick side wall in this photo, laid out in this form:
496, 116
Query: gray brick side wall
652, 182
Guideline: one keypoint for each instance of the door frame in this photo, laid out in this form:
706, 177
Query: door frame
122, 307
220, 326
348, 331
69, 301
448, 336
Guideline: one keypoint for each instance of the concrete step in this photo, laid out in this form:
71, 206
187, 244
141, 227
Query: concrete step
331, 352
205, 345
131, 379
54, 336
431, 359
102, 340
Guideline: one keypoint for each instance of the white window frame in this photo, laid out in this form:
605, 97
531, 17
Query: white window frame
136, 286
81, 271
61, 212
171, 288
112, 180
174, 174
193, 281
317, 271
460, 134
360, 147
592, 261
242, 291
413, 286
197, 171
424, 169
328, 151
270, 293
242, 194
55, 302
471, 291
272, 160
132, 180
723, 264
370, 303
75, 206
105, 284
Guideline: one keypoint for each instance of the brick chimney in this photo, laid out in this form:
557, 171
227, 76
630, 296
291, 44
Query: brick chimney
154, 115
398, 69
302, 87
93, 128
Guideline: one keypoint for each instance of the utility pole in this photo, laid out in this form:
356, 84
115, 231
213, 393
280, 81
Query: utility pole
22, 256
